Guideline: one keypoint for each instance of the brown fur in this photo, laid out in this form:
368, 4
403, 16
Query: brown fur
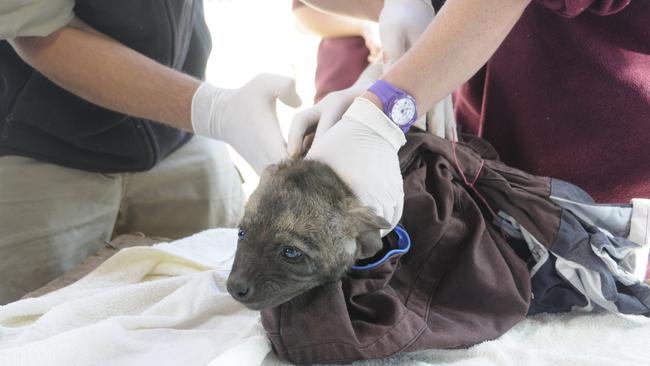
299, 204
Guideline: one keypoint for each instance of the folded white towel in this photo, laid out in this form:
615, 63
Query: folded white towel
165, 305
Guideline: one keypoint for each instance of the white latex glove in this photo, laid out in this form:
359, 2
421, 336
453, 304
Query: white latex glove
401, 22
324, 114
362, 150
372, 39
246, 117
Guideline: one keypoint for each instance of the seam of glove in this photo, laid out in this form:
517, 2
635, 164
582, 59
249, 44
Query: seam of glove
200, 110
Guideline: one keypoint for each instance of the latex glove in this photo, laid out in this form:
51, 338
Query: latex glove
362, 150
401, 22
324, 114
372, 39
246, 118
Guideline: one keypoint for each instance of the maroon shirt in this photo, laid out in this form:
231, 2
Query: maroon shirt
567, 95
340, 62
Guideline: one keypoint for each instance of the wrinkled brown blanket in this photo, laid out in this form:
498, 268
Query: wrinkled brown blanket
460, 283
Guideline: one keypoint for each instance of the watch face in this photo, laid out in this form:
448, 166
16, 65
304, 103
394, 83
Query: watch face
403, 111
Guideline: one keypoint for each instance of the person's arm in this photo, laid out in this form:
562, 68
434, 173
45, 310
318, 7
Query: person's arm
328, 25
457, 43
107, 73
362, 9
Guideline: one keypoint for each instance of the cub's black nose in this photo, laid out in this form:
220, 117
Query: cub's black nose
239, 289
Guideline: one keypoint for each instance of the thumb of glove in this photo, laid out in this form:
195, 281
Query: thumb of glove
284, 88
328, 118
303, 123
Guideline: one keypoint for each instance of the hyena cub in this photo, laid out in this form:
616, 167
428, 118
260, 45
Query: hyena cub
302, 227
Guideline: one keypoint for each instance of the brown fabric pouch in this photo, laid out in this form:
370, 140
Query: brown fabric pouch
460, 283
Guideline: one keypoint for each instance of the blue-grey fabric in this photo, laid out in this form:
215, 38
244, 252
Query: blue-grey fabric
551, 293
587, 264
614, 218
576, 242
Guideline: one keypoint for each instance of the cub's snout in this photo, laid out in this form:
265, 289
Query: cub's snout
240, 288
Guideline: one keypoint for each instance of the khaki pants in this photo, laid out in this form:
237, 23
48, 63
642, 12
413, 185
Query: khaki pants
52, 218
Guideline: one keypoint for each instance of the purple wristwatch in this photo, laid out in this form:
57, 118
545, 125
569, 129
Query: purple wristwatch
399, 106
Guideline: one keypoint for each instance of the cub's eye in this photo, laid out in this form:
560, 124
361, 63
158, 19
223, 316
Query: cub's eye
291, 253
240, 234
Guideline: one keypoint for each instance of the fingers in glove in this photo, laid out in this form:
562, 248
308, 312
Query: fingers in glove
285, 90
327, 119
307, 142
373, 44
303, 123
393, 51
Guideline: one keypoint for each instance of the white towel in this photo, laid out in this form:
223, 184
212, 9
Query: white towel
165, 305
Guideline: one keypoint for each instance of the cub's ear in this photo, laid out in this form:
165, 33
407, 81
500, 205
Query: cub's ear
367, 227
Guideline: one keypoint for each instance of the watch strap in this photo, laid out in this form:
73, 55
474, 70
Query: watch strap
385, 91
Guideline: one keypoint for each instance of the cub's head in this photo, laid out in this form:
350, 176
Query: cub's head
302, 227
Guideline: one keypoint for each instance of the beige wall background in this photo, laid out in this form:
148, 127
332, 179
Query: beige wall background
255, 36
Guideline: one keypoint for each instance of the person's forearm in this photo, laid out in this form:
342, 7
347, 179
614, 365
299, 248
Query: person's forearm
362, 9
109, 74
459, 41
328, 25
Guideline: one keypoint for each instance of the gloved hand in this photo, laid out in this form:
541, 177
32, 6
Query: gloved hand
401, 22
362, 150
324, 114
246, 117
370, 34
